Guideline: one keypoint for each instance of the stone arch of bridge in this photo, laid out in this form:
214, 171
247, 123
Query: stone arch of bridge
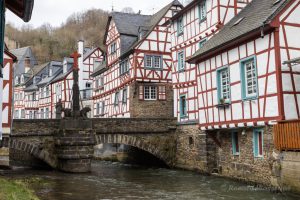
35, 151
134, 141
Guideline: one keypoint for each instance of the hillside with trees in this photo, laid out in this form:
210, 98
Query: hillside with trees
51, 43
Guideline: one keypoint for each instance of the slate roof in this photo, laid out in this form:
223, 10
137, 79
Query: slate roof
99, 69
255, 15
128, 26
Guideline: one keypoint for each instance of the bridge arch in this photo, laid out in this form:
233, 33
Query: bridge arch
135, 141
34, 150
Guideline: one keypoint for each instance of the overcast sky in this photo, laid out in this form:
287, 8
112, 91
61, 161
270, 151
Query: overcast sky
57, 11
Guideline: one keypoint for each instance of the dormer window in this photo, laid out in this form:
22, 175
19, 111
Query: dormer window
113, 48
22, 79
17, 80
97, 62
50, 71
202, 11
65, 68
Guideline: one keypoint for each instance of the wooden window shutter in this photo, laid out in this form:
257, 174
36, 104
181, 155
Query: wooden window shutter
141, 92
162, 92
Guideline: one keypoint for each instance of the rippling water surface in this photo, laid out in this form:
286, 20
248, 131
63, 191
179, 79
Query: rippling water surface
118, 181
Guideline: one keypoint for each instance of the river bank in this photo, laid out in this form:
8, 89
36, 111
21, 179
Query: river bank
16, 190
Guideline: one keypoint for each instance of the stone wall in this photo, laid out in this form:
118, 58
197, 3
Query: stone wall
245, 166
290, 171
191, 148
151, 109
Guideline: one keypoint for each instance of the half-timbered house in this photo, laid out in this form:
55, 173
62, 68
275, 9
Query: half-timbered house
243, 87
190, 29
23, 71
135, 79
9, 60
61, 86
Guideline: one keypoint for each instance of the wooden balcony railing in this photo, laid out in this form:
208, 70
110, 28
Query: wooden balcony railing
287, 135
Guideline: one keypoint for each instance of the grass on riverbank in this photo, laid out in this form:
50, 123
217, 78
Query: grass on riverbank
15, 190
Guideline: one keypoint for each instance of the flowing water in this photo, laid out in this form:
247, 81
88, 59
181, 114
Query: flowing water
119, 181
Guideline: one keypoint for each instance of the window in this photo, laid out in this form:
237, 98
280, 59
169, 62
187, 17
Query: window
202, 11
50, 71
88, 85
23, 114
17, 80
47, 91
235, 143
258, 142
99, 84
97, 63
35, 115
148, 61
16, 114
180, 26
162, 92
157, 62
30, 115
154, 62
116, 99
42, 113
223, 80
181, 61
124, 67
102, 107
33, 96
249, 78
202, 42
124, 96
22, 79
47, 113
182, 106
58, 90
113, 48
16, 97
191, 140
150, 92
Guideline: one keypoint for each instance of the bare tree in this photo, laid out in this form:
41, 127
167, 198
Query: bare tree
128, 10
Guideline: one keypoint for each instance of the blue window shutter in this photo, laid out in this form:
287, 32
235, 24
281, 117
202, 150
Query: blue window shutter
233, 143
255, 143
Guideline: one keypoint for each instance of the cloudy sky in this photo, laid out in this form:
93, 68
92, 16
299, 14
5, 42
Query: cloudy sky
57, 11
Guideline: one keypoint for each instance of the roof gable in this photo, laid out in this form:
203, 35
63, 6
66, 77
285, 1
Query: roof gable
255, 16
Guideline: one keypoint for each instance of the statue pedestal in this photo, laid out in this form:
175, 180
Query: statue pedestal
75, 145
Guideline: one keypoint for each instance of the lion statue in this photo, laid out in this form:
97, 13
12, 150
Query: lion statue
84, 112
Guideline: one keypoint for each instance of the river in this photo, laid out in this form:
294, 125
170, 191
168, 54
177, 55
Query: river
127, 182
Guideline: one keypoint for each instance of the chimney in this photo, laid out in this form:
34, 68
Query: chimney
27, 64
80, 64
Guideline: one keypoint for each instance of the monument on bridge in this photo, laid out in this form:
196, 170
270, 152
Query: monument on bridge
75, 141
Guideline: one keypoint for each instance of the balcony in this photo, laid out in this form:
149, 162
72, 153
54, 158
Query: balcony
287, 135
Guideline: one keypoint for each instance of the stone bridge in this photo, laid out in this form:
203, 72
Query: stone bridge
68, 145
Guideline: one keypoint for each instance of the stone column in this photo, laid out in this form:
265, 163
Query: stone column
75, 145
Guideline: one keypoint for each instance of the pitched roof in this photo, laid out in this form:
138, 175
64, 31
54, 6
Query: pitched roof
99, 69
150, 24
19, 53
128, 25
36, 69
257, 14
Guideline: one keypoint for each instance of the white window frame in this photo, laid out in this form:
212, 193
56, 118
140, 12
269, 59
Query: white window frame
150, 93
181, 62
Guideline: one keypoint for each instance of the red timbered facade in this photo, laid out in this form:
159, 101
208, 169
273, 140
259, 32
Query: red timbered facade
190, 29
135, 79
6, 111
244, 87
61, 86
